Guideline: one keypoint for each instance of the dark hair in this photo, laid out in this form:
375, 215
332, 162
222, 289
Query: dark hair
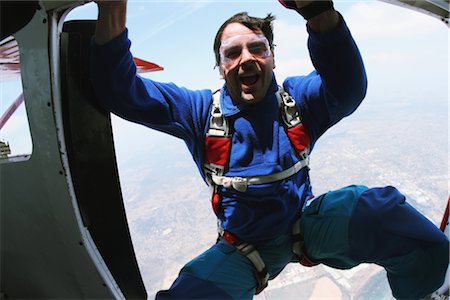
253, 23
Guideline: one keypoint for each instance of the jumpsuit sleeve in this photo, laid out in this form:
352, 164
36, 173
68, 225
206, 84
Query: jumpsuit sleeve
161, 106
336, 87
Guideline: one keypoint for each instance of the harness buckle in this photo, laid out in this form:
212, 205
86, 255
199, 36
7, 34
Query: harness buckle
238, 183
218, 125
287, 99
291, 116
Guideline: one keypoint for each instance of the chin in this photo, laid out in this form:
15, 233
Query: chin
248, 98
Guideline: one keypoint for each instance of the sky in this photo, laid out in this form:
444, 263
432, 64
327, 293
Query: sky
406, 53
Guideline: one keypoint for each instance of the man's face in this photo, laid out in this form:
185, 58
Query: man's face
246, 63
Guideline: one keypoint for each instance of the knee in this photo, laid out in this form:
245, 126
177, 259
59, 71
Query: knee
379, 203
383, 217
377, 208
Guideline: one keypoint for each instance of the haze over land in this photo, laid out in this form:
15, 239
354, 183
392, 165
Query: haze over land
400, 144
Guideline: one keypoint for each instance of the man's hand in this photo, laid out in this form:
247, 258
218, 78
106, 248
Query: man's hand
320, 15
301, 3
294, 4
110, 4
111, 20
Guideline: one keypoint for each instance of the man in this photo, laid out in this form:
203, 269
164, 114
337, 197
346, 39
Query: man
252, 143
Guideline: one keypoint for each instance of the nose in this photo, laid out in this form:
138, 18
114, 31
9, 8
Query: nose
246, 56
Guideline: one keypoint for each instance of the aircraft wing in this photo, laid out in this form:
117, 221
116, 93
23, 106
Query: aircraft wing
144, 66
10, 70
436, 8
9, 59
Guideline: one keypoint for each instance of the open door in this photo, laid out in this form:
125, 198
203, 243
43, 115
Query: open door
92, 161
64, 233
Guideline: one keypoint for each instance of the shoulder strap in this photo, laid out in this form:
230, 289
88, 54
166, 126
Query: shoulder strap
217, 141
217, 149
289, 111
218, 124
296, 131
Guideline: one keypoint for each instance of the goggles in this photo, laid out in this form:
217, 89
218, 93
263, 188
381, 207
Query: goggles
231, 49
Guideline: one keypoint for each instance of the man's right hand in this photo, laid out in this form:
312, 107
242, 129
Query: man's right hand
294, 4
320, 14
111, 4
111, 20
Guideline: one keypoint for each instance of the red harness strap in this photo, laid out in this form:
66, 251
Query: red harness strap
218, 150
299, 138
217, 154
297, 133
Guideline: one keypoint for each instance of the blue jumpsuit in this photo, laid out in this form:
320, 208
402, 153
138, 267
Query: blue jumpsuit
341, 228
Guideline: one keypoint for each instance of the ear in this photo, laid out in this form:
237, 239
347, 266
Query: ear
222, 74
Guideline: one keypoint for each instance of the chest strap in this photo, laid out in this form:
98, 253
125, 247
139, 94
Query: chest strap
241, 183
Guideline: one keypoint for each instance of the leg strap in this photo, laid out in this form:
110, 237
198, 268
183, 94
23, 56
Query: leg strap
249, 251
298, 246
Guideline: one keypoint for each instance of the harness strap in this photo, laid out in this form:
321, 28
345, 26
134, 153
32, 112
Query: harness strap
218, 123
217, 149
298, 246
290, 114
249, 251
241, 183
297, 133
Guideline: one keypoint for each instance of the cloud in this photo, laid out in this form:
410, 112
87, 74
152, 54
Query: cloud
292, 67
291, 52
289, 39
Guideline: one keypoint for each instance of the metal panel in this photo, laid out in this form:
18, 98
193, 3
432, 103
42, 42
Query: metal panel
46, 252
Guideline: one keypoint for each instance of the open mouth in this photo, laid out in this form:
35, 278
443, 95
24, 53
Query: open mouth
249, 80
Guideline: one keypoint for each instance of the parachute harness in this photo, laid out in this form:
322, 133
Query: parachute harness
217, 155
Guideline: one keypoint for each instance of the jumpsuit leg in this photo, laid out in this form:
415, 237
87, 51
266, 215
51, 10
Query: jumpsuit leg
218, 273
222, 273
390, 232
355, 224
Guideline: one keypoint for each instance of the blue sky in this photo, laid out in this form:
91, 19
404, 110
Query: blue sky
179, 36
405, 52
